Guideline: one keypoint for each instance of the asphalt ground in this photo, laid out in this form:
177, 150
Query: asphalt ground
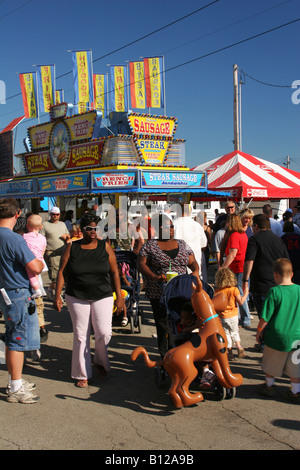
129, 412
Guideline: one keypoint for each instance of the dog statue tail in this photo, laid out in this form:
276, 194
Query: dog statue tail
140, 350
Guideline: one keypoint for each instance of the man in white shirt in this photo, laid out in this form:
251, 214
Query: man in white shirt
187, 229
275, 226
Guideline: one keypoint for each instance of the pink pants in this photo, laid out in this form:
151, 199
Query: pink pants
85, 313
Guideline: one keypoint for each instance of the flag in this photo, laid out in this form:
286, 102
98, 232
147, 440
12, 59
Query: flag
118, 88
100, 93
154, 82
137, 84
28, 88
46, 87
59, 96
83, 78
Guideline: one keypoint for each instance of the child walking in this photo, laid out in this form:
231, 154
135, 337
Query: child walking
226, 282
280, 326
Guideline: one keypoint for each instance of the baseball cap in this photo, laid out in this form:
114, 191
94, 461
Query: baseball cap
55, 210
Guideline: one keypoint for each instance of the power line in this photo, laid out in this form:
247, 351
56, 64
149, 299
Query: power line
264, 83
16, 9
242, 41
233, 45
227, 26
136, 40
149, 34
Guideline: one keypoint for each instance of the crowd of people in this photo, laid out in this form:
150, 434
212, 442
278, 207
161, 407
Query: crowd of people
257, 261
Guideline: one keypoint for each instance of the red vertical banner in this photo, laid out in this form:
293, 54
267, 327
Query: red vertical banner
154, 82
29, 94
137, 85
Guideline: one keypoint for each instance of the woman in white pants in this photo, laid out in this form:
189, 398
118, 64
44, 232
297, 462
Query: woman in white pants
87, 266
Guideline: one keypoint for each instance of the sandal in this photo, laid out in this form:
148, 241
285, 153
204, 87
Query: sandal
124, 321
81, 383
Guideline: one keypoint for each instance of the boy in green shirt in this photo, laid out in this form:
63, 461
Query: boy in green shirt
281, 316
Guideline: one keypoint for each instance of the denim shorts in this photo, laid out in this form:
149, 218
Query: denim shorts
21, 329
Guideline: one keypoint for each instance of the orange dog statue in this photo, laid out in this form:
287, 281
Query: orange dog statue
208, 346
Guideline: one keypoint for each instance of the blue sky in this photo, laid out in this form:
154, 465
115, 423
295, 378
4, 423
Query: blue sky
198, 94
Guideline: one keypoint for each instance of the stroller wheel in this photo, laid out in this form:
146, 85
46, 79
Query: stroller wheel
230, 393
219, 391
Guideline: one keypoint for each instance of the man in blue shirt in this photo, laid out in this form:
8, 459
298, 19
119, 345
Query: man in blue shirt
21, 320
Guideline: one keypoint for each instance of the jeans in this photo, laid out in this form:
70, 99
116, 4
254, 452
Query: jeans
244, 314
22, 331
259, 301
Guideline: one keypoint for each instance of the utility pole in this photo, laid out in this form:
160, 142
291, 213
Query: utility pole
236, 108
287, 162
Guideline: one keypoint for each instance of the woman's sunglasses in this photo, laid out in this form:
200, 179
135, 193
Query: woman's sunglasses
91, 229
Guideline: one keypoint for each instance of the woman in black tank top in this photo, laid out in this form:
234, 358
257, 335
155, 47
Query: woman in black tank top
87, 266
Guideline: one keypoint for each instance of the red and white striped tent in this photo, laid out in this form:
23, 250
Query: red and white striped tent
249, 177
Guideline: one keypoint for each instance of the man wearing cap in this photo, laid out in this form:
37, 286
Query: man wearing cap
296, 218
229, 209
56, 234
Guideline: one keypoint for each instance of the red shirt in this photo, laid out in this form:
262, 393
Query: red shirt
239, 242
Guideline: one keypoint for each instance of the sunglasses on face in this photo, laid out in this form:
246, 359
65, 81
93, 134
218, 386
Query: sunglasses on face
91, 229
230, 207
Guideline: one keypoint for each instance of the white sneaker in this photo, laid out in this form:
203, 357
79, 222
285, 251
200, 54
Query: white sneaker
22, 396
27, 385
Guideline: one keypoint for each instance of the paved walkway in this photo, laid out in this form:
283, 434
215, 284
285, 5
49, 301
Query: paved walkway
129, 412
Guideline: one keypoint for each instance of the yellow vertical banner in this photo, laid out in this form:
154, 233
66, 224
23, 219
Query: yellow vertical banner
46, 87
83, 79
118, 88
100, 93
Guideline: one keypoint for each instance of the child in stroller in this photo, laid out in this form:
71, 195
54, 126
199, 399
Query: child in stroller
187, 327
130, 282
176, 300
126, 281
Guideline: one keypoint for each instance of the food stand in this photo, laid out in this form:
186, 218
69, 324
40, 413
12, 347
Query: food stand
76, 156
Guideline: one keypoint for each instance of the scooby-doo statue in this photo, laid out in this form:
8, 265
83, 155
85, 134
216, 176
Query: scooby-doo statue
207, 346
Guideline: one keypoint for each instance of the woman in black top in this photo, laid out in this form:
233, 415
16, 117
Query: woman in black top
87, 266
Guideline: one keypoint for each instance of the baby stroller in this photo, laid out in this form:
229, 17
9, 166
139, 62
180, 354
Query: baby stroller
134, 311
176, 293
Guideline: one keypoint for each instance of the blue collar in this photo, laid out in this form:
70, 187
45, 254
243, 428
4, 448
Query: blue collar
210, 318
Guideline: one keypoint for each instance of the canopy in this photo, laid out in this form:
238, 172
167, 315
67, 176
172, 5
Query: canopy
249, 177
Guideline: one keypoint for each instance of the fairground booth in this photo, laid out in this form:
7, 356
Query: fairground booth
73, 157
